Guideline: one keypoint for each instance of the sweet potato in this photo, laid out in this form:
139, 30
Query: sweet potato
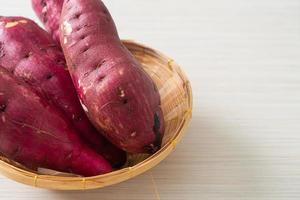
29, 52
118, 95
49, 12
36, 134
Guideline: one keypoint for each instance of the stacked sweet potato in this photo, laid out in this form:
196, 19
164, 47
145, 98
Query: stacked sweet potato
74, 99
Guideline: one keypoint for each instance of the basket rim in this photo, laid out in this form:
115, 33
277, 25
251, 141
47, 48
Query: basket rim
16, 173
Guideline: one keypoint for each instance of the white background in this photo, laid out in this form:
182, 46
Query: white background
243, 60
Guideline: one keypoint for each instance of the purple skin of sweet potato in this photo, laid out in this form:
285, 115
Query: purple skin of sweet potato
49, 11
36, 134
30, 54
119, 96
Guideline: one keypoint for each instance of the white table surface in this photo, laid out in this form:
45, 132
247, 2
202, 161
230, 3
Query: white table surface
243, 60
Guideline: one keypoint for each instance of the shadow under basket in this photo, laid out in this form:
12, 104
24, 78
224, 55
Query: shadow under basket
176, 98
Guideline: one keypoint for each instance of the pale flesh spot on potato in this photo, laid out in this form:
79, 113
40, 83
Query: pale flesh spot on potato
83, 106
1, 94
122, 93
133, 134
15, 23
65, 40
44, 10
86, 88
11, 24
23, 21
67, 28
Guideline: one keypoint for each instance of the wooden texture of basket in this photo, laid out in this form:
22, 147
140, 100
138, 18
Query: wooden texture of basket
176, 96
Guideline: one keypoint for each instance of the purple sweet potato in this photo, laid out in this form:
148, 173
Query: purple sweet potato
29, 52
118, 95
36, 134
49, 12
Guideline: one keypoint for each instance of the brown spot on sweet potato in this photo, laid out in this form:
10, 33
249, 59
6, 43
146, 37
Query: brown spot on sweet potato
133, 134
43, 3
86, 74
51, 46
76, 117
2, 108
81, 26
105, 11
107, 18
49, 76
26, 80
44, 11
27, 55
85, 49
125, 101
77, 15
101, 63
100, 78
2, 53
152, 148
45, 18
78, 28
60, 61
69, 5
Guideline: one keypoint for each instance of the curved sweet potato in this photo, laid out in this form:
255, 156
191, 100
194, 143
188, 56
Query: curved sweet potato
119, 96
36, 134
30, 53
49, 12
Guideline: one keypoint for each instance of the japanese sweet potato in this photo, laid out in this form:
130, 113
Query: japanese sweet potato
118, 95
31, 55
36, 134
49, 12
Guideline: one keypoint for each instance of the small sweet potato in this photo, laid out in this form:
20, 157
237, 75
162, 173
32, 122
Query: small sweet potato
36, 134
118, 95
49, 12
31, 55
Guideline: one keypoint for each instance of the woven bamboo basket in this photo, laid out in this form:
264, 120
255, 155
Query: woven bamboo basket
176, 96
